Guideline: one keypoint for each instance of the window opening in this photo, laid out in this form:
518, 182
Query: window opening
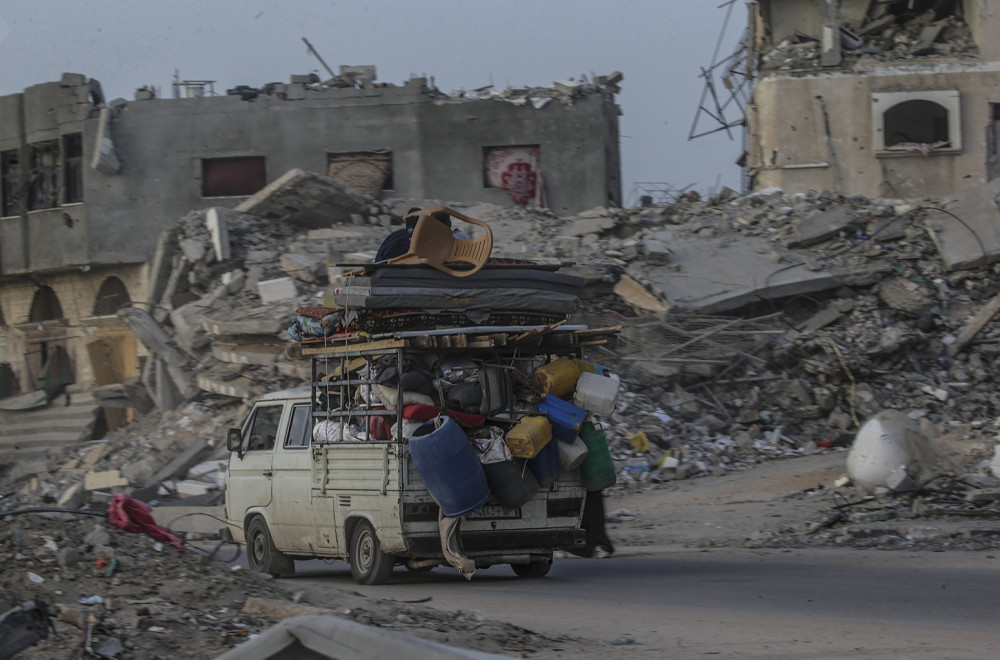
45, 306
111, 297
300, 429
916, 122
229, 177
43, 184
10, 174
73, 167
368, 172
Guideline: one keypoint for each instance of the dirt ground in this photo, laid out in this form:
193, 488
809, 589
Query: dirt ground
731, 509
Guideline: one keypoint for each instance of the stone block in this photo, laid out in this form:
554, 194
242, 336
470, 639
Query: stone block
282, 288
104, 480
817, 228
193, 250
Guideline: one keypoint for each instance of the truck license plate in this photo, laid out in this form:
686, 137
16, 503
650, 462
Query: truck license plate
494, 512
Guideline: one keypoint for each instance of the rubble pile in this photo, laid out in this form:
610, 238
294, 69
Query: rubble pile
882, 37
711, 384
121, 595
775, 378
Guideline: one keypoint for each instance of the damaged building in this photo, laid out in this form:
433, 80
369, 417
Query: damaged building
881, 98
89, 184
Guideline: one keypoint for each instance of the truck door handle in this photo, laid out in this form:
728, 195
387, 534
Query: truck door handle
267, 474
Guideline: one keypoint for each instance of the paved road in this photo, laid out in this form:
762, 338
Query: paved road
735, 603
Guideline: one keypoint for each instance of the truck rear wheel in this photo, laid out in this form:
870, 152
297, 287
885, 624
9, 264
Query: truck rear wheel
536, 569
261, 553
369, 565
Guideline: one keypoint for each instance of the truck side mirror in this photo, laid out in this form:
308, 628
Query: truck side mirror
234, 438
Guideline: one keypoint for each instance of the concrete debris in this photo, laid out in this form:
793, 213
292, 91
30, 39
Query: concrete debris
306, 199
887, 35
728, 358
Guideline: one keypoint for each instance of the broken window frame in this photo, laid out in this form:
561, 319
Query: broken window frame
10, 182
233, 182
43, 179
947, 99
73, 168
388, 184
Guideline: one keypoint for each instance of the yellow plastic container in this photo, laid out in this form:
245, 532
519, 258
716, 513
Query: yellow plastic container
529, 437
557, 377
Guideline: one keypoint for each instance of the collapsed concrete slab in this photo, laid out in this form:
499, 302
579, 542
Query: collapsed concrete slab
154, 338
817, 228
249, 350
306, 199
713, 277
968, 233
237, 388
245, 321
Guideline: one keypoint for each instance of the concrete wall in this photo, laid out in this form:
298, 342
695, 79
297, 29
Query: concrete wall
77, 293
817, 133
437, 153
814, 129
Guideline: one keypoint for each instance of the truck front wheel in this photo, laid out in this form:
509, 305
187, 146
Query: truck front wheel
261, 553
369, 565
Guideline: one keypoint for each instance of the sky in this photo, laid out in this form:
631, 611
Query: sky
659, 45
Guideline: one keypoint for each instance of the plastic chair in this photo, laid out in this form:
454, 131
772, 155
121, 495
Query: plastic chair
433, 244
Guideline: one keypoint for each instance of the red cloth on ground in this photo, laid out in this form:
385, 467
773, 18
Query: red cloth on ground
134, 515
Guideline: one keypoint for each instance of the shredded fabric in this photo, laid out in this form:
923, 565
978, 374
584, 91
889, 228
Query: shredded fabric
135, 516
451, 545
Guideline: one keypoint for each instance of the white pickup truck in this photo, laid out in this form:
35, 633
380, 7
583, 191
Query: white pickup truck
290, 498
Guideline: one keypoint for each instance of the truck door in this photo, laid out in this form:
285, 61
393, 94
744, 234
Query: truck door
292, 509
250, 476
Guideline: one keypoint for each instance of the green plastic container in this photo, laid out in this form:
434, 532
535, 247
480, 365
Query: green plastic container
597, 470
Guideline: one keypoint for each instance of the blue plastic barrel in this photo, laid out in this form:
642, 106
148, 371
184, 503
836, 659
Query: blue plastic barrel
545, 466
449, 466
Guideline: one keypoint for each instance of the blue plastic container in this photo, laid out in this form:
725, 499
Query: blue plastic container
545, 466
449, 466
566, 419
